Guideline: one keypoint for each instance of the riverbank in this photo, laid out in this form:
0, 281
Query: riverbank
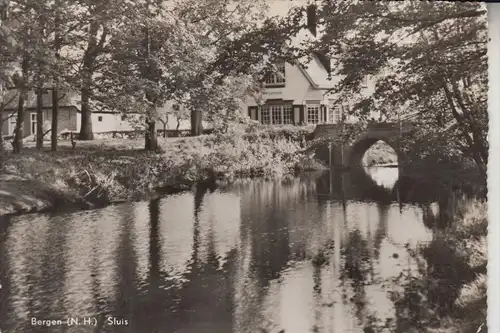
450, 295
101, 172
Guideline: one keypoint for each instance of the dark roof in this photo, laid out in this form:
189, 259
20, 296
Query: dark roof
66, 99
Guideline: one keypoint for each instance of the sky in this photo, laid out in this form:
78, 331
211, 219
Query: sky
281, 7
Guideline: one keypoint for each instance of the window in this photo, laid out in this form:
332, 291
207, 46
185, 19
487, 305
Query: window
264, 115
287, 114
276, 115
313, 114
335, 114
99, 118
277, 78
33, 122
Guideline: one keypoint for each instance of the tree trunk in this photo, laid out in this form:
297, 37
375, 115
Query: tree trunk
93, 49
86, 132
3, 16
2, 150
55, 86
151, 143
196, 123
18, 131
55, 115
39, 118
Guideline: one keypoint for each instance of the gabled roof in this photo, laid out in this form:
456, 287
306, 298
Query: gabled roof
316, 73
316, 70
66, 99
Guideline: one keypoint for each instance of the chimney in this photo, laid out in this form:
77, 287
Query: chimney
311, 18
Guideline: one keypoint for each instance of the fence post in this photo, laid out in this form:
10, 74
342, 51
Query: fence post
330, 168
330, 154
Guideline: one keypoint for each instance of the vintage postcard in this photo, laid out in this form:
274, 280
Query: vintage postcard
265, 166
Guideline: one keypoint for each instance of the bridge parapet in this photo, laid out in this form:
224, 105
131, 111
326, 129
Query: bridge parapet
373, 128
382, 126
327, 130
390, 126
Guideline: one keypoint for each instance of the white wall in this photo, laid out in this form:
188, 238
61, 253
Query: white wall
108, 122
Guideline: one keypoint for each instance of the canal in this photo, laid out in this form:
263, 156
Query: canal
310, 254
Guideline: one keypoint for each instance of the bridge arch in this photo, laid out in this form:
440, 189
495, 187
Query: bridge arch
352, 155
357, 150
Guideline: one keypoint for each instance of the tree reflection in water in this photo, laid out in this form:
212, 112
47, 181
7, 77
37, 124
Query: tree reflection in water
305, 254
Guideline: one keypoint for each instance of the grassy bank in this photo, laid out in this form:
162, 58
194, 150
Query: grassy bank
104, 171
450, 296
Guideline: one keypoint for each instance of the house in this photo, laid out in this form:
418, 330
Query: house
297, 94
70, 116
67, 118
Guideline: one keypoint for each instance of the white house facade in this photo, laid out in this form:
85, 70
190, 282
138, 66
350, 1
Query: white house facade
296, 96
300, 95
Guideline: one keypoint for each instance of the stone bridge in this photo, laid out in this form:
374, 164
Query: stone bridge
351, 155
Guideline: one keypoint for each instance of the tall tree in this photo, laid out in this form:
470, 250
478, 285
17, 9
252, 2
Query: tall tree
55, 79
184, 51
4, 50
41, 70
22, 14
154, 54
38, 29
97, 19
428, 60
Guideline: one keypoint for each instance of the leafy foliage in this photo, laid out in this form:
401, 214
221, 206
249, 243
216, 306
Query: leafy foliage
427, 61
450, 295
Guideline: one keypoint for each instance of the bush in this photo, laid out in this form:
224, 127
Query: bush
450, 295
291, 132
115, 170
234, 156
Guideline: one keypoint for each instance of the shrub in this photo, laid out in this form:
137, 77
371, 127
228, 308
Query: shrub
450, 295
115, 170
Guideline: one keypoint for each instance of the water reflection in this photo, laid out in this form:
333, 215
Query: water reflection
383, 176
258, 257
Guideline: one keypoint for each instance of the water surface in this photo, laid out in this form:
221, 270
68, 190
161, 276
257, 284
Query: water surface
311, 254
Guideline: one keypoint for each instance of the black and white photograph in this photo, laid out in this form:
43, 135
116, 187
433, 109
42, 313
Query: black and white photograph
244, 166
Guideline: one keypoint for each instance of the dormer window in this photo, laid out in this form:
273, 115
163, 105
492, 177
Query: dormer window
277, 78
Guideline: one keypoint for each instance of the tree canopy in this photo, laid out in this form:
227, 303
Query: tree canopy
134, 56
427, 61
